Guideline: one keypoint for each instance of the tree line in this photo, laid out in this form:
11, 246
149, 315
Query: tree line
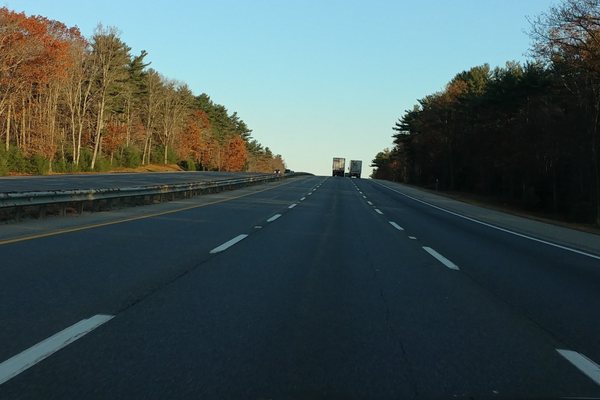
68, 103
526, 134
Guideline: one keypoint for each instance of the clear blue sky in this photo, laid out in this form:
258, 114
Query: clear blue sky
314, 79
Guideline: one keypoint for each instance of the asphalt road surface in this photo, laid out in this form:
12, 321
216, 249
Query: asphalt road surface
310, 288
113, 180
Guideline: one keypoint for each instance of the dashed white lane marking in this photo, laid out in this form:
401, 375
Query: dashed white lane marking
309, 194
370, 203
395, 225
274, 217
364, 197
44, 349
228, 244
303, 198
441, 258
583, 253
584, 364
412, 238
292, 205
378, 211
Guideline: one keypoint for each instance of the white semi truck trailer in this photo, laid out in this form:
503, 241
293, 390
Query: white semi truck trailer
339, 166
355, 168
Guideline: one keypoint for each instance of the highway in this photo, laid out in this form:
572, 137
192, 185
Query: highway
309, 288
110, 180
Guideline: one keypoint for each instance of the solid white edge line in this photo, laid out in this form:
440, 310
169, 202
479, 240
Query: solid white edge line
583, 253
44, 349
274, 217
584, 364
292, 205
378, 211
228, 244
395, 225
441, 258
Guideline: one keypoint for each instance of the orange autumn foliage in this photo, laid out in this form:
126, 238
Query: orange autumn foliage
33, 50
235, 154
193, 138
114, 136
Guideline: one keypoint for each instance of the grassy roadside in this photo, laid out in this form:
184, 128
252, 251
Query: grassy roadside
141, 168
150, 168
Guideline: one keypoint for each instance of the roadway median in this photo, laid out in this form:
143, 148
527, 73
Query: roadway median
16, 205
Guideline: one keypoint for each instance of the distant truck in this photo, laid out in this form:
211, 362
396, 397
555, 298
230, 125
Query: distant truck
355, 168
339, 165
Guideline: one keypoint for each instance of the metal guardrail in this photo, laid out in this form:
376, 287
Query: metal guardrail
14, 205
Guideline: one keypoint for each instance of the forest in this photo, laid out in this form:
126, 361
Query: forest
523, 134
70, 104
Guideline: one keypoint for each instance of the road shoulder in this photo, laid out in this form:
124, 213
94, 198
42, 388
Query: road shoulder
564, 236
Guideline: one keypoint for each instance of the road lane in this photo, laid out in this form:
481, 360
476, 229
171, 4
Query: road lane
557, 289
327, 301
52, 282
